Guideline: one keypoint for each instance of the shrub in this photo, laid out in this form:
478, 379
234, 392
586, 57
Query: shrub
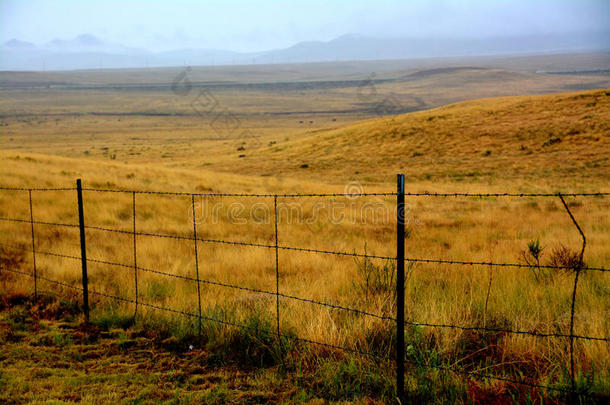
532, 257
374, 279
565, 257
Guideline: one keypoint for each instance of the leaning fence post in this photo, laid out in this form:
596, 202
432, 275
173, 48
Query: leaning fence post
578, 268
33, 246
400, 289
83, 248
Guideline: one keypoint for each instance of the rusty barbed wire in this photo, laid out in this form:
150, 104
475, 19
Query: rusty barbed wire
343, 253
297, 195
192, 315
311, 250
37, 189
531, 333
29, 221
309, 341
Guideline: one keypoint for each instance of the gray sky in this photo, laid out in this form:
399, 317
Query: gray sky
265, 24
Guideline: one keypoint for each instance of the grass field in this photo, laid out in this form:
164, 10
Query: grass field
153, 139
47, 355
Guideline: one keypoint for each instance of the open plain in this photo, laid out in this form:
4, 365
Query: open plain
302, 142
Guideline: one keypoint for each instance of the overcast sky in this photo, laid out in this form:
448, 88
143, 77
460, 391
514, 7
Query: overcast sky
265, 24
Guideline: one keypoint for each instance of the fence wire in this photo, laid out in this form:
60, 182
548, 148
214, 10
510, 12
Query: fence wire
334, 306
310, 250
308, 341
277, 247
299, 195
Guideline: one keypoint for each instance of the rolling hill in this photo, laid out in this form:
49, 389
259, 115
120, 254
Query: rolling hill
512, 137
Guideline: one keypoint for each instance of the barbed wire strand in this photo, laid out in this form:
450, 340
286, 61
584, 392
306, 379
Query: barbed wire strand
188, 314
578, 269
344, 253
311, 250
21, 220
37, 188
304, 340
362, 194
331, 305
296, 195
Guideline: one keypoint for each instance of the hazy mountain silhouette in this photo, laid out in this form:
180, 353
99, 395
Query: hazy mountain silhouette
357, 47
16, 44
89, 52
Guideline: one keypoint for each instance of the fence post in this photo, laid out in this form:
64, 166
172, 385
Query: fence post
578, 268
83, 248
400, 289
196, 263
277, 274
135, 255
33, 246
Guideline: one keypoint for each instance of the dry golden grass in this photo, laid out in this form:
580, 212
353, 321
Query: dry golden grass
144, 124
541, 142
444, 150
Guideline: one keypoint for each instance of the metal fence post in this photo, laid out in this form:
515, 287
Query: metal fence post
400, 289
135, 254
196, 263
33, 246
83, 249
277, 274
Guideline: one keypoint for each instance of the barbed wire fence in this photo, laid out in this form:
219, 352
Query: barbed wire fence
399, 320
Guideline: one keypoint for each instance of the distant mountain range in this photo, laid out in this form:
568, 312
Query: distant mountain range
89, 52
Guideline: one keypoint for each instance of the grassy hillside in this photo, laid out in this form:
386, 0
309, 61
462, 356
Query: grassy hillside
541, 143
129, 121
553, 139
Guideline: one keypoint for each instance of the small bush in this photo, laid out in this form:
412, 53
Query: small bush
378, 279
375, 279
565, 257
532, 257
483, 347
